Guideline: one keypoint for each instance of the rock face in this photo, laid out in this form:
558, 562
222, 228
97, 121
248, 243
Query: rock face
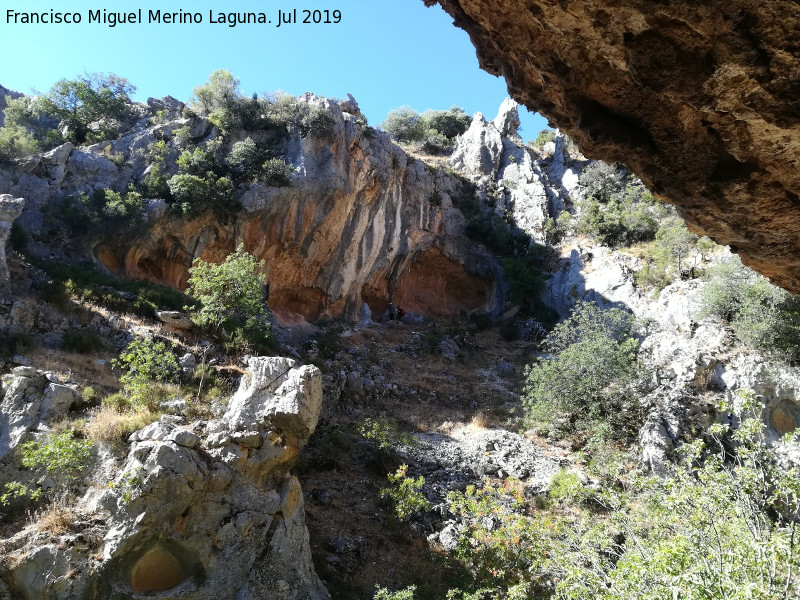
700, 101
10, 209
694, 362
206, 511
31, 399
361, 223
514, 179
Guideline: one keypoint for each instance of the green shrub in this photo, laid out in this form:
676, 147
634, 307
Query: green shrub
385, 433
221, 100
436, 143
252, 335
62, 458
566, 488
16, 142
277, 172
601, 181
198, 161
143, 362
154, 184
24, 131
434, 130
504, 551
104, 213
82, 341
545, 137
316, 121
191, 195
246, 158
590, 368
285, 113
232, 288
328, 338
763, 316
447, 123
526, 277
85, 282
624, 219
404, 125
405, 594
88, 394
405, 494
721, 526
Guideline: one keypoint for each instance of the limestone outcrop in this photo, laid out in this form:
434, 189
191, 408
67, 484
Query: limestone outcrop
700, 101
206, 510
513, 179
10, 209
360, 224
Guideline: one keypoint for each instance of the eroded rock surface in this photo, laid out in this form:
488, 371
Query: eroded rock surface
699, 100
360, 224
206, 510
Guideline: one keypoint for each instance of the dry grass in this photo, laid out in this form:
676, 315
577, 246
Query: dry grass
55, 518
76, 426
109, 425
80, 368
479, 421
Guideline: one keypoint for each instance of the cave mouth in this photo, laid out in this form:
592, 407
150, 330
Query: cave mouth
160, 568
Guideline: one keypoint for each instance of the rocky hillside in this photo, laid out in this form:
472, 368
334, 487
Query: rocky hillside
356, 222
565, 339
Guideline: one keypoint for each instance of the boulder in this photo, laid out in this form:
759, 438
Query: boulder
278, 391
175, 319
208, 512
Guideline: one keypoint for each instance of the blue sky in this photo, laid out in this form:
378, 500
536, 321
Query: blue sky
386, 53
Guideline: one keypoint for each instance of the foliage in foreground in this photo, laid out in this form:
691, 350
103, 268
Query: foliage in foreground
61, 458
406, 494
723, 526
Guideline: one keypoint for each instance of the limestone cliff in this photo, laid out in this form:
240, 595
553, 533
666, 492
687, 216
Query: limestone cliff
360, 224
699, 100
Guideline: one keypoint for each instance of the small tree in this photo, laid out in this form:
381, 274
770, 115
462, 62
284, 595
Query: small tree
404, 125
143, 362
89, 100
221, 91
449, 123
591, 365
677, 240
223, 290
221, 99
